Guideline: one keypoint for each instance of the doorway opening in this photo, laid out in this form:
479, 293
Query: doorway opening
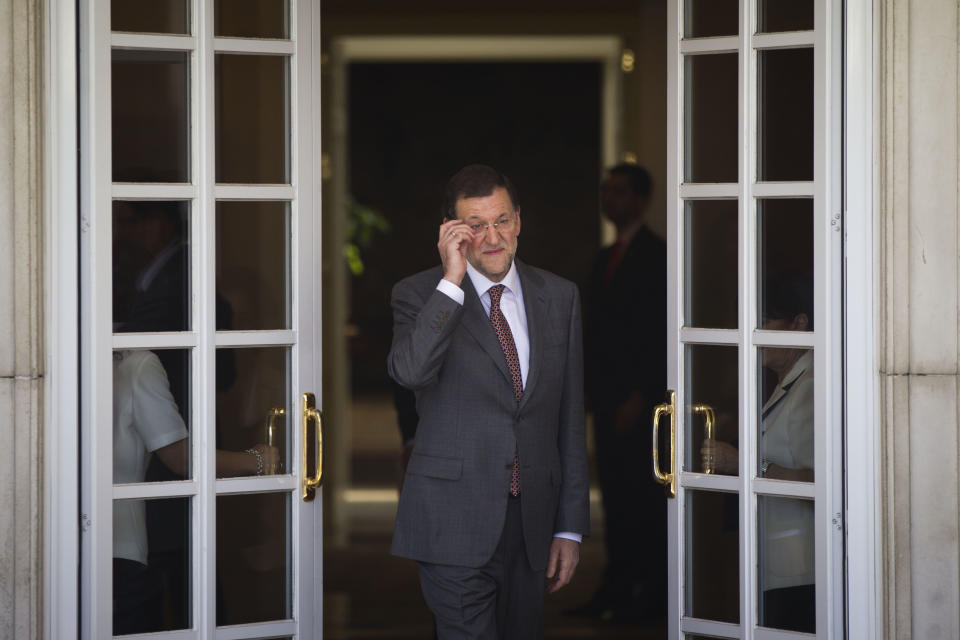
406, 114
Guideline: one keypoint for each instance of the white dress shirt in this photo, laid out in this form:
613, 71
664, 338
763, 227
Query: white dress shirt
511, 305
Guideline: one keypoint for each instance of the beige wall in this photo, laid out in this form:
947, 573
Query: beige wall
21, 324
919, 318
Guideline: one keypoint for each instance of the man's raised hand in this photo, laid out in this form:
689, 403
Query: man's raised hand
454, 237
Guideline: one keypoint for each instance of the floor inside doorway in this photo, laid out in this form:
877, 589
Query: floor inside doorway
370, 594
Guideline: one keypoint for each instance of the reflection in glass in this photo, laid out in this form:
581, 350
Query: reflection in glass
151, 567
710, 115
786, 258
777, 15
711, 379
711, 559
251, 19
785, 114
706, 18
786, 414
253, 264
252, 118
786, 580
711, 298
156, 16
254, 576
151, 266
151, 116
248, 394
147, 419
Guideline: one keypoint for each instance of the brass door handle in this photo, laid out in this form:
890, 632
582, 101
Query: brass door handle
271, 429
311, 415
669, 480
710, 420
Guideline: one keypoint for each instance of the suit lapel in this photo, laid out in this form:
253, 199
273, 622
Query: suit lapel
478, 324
536, 305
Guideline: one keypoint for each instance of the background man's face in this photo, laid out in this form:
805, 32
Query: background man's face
618, 201
491, 252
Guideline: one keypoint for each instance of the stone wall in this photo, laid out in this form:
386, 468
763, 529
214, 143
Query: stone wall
918, 52
21, 321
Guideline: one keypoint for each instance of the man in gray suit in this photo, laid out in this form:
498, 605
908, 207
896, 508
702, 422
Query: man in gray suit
495, 500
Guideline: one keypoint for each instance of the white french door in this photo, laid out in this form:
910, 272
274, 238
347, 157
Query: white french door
200, 319
753, 427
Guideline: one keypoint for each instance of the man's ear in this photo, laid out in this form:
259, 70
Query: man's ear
517, 213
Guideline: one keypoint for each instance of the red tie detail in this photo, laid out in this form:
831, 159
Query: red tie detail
509, 347
616, 255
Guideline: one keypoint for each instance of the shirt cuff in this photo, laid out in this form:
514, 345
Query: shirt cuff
452, 291
569, 535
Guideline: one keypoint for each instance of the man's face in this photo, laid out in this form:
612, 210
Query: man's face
492, 248
618, 201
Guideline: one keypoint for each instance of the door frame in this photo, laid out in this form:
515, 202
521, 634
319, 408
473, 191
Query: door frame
60, 512
863, 455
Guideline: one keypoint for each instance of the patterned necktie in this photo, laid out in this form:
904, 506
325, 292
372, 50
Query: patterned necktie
513, 364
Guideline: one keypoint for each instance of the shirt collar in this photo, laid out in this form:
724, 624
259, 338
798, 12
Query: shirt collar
481, 283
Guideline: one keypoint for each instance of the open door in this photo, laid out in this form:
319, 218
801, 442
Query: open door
200, 319
750, 433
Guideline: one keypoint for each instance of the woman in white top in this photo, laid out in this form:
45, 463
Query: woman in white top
146, 421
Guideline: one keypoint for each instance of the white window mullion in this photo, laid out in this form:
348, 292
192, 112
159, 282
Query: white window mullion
675, 159
152, 41
748, 305
204, 529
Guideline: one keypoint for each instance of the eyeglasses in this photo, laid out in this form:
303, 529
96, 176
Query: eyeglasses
503, 225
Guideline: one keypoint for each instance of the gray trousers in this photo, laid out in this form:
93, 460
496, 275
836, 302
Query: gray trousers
502, 600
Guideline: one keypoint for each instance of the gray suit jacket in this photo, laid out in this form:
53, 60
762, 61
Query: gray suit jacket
454, 497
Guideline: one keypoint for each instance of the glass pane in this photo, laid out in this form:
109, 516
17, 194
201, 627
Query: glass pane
151, 565
786, 414
786, 579
711, 558
711, 298
777, 15
786, 264
712, 394
705, 18
156, 16
151, 440
252, 265
151, 116
251, 19
151, 266
710, 118
252, 115
786, 114
252, 390
254, 576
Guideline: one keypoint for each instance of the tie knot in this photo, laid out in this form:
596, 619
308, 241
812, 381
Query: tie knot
495, 292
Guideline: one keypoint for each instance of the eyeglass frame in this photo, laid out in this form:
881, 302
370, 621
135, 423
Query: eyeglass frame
482, 227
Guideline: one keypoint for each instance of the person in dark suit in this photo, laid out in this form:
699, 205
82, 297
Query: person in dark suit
495, 499
625, 344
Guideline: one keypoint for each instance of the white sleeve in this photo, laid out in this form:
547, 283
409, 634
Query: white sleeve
155, 414
452, 290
